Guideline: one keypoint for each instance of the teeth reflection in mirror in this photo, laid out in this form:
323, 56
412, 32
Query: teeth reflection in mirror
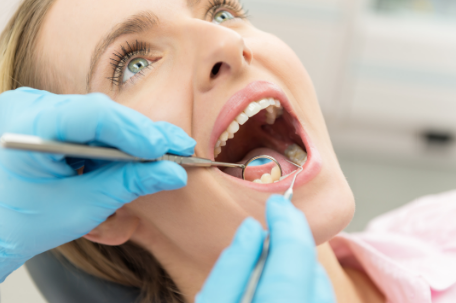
269, 178
275, 173
266, 178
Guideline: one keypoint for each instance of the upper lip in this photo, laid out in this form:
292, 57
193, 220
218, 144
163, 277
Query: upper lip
254, 91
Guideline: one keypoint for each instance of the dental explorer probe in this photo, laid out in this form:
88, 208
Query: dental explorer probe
255, 276
37, 144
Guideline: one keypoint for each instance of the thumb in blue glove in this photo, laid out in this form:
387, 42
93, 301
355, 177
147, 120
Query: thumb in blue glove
292, 273
44, 203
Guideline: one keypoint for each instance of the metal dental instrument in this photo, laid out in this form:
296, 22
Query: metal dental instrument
37, 144
250, 161
289, 193
255, 277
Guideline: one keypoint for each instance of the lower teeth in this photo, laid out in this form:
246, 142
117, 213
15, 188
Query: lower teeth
296, 154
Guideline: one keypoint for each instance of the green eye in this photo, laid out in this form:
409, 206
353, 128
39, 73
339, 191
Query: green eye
222, 16
134, 67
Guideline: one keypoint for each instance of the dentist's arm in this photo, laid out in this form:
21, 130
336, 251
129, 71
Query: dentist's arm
43, 201
292, 273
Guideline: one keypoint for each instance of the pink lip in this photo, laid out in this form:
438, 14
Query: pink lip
256, 91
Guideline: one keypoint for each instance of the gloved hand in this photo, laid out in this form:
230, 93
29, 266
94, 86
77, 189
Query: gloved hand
43, 201
292, 273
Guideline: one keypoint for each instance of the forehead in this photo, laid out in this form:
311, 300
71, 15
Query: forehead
72, 29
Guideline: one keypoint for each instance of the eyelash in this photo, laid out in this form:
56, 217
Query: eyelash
235, 6
120, 59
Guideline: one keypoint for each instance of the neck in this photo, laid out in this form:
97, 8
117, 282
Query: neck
187, 273
350, 285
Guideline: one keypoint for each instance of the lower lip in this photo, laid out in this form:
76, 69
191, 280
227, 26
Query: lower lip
310, 169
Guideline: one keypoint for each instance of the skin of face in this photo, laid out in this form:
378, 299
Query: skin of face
187, 229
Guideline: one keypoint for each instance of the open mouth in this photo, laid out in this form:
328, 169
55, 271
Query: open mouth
258, 121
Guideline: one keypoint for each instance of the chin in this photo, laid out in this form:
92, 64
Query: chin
327, 203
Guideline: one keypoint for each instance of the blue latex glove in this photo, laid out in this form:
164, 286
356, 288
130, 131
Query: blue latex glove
43, 202
292, 273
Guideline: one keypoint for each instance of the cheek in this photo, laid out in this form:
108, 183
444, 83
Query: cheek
198, 220
279, 58
327, 202
166, 96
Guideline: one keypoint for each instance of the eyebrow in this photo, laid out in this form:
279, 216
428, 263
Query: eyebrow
192, 3
139, 23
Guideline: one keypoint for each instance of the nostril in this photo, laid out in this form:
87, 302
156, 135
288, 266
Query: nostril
216, 69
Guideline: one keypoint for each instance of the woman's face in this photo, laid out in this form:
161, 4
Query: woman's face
198, 65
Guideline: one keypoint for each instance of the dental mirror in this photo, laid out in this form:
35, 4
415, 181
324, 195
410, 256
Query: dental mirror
262, 169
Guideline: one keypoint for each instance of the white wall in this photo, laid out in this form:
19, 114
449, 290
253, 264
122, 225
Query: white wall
383, 184
19, 288
376, 115
7, 8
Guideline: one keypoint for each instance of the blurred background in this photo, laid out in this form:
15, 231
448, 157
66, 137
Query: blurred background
385, 75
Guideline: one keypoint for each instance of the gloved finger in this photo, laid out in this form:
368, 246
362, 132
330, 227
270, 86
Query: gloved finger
179, 143
229, 277
71, 207
95, 117
323, 290
109, 187
128, 181
103, 191
23, 98
291, 263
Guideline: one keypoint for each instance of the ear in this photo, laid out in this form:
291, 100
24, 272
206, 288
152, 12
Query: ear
116, 230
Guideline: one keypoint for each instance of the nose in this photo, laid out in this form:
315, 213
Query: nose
220, 53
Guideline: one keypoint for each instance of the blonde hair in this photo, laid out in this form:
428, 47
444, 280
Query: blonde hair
127, 264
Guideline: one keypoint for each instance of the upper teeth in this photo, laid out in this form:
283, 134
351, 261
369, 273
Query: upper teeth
273, 110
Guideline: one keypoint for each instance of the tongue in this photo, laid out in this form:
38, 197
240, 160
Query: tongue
287, 167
